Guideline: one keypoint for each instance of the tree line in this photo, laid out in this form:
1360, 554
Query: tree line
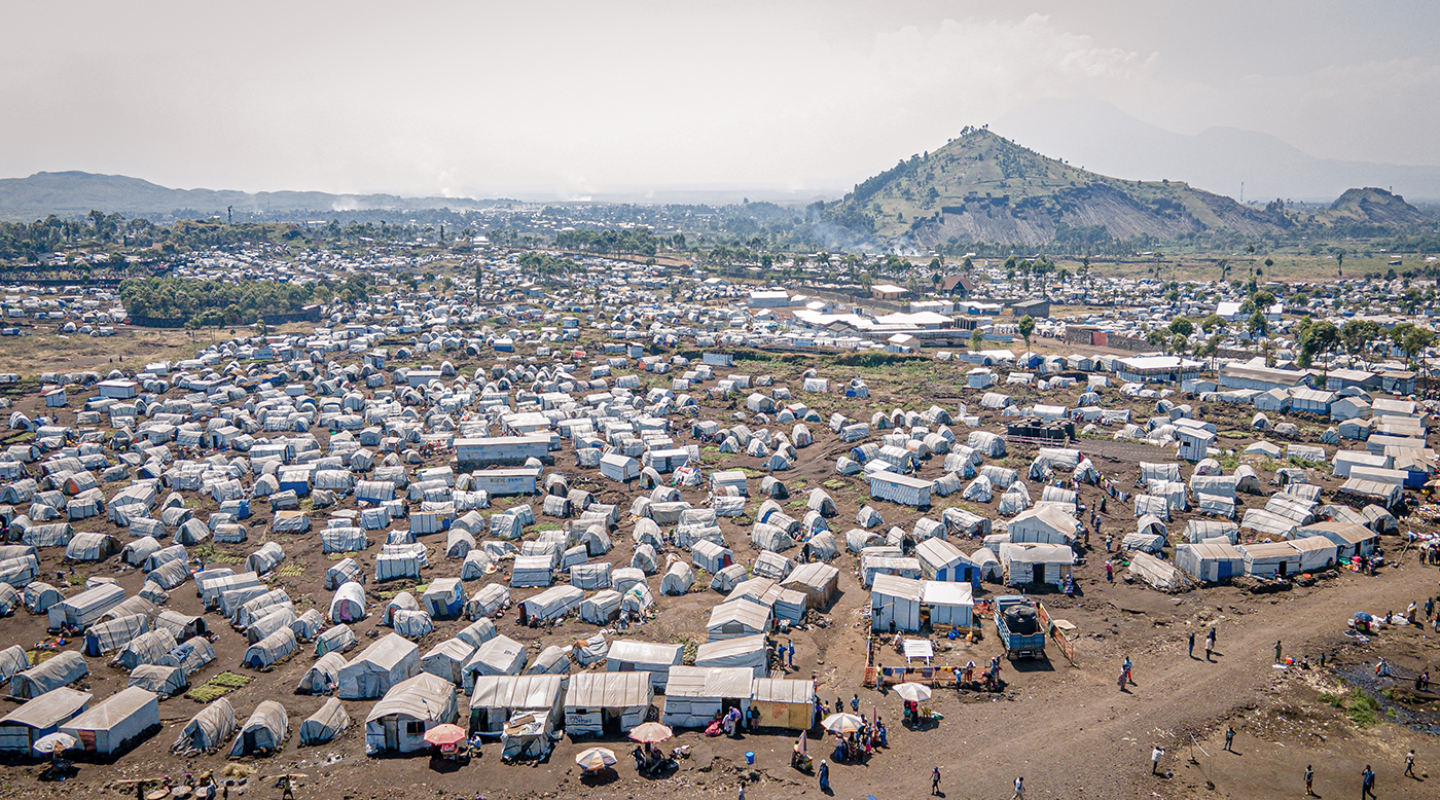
206, 303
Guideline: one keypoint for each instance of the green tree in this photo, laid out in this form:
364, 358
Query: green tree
1182, 326
1359, 334
1319, 338
1027, 329
1412, 340
1213, 323
977, 340
1259, 326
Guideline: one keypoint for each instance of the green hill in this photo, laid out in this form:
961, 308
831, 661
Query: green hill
982, 187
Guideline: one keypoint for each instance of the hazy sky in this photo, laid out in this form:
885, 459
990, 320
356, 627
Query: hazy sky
478, 97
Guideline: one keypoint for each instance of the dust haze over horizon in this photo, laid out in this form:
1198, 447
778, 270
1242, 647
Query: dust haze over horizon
571, 100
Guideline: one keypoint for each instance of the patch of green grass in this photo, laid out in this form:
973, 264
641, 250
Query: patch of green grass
1232, 434
1331, 699
834, 484
290, 571
1361, 708
75, 580
219, 686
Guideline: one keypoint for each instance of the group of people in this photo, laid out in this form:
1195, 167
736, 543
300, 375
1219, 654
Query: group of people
1210, 644
859, 744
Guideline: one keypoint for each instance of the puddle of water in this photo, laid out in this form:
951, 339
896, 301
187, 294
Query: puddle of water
1363, 678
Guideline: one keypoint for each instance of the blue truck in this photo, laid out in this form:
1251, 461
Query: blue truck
1020, 629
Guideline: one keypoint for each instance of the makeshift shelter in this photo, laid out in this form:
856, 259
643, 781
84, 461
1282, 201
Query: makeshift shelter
498, 699
942, 561
783, 703
736, 618
116, 723
385, 663
1349, 539
263, 732
946, 603
63, 669
164, 681
1269, 558
697, 695
1036, 563
607, 703
447, 660
40, 717
263, 654
107, 637
325, 724
87, 607
553, 603
1043, 525
323, 676
679, 577
444, 598
91, 547
652, 658
1156, 573
399, 722
894, 603
819, 583
500, 655
749, 652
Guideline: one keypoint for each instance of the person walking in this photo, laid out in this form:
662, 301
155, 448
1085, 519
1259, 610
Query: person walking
1309, 781
1126, 665
1410, 764
1192, 644
288, 786
1229, 738
742, 791
1367, 783
855, 703
1155, 753
1109, 571
1277, 651
824, 774
1019, 789
935, 782
1209, 645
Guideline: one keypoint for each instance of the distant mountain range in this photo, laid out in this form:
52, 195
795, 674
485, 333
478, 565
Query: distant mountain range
69, 193
1100, 137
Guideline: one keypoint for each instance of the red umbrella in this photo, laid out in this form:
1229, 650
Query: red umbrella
446, 734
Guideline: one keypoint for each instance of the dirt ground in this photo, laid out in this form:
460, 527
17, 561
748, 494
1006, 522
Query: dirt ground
1066, 728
